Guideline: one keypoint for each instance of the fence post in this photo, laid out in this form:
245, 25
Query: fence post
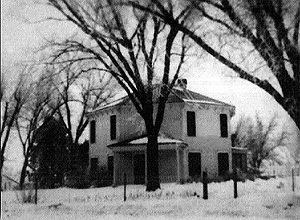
293, 180
205, 191
125, 182
36, 187
235, 183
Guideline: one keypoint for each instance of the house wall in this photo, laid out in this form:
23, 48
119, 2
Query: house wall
208, 140
131, 124
99, 149
172, 122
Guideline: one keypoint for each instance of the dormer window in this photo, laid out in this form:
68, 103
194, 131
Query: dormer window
113, 127
191, 123
93, 131
224, 125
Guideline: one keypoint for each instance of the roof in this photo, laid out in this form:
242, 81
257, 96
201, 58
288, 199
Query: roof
177, 95
116, 102
143, 140
189, 96
239, 149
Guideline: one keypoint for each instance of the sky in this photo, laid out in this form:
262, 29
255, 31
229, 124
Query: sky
20, 38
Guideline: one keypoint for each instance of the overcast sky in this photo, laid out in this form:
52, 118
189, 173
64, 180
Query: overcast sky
20, 39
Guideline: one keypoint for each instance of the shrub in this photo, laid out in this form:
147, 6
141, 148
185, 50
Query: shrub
100, 177
77, 182
25, 196
77, 179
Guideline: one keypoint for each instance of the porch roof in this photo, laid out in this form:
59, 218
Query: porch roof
239, 150
143, 140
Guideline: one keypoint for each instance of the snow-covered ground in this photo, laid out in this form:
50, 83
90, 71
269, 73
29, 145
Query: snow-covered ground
261, 199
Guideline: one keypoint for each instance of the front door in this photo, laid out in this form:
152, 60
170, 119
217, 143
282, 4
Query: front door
223, 163
194, 160
139, 168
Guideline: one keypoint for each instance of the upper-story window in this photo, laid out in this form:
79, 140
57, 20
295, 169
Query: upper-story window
191, 123
93, 131
224, 125
113, 127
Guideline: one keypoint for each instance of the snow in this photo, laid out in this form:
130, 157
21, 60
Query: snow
261, 199
201, 101
161, 140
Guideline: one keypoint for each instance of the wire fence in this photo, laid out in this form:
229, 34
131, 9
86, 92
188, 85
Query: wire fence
101, 181
276, 170
30, 192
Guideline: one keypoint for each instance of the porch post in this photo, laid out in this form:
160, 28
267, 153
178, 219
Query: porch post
178, 164
116, 168
146, 174
185, 165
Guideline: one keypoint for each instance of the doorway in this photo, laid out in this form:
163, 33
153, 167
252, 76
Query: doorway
139, 168
194, 160
223, 163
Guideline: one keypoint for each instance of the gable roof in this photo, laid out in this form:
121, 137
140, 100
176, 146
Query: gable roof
176, 95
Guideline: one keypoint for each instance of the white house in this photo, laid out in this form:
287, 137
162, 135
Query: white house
194, 137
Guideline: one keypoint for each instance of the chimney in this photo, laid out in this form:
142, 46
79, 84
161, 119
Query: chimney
182, 83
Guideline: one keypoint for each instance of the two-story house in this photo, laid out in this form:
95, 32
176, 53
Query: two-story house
194, 137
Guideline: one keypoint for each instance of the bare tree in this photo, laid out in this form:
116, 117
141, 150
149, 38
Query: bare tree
79, 88
261, 140
31, 116
13, 99
85, 87
268, 28
127, 44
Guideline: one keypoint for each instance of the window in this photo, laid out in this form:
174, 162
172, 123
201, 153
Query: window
223, 163
113, 127
191, 123
94, 164
110, 165
93, 131
223, 125
194, 160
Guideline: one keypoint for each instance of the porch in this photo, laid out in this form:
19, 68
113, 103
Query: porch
130, 157
239, 158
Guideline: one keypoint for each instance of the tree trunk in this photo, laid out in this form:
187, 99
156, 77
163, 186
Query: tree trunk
293, 105
3, 146
23, 173
1, 161
152, 163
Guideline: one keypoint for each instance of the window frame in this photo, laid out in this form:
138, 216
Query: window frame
191, 128
93, 131
113, 127
224, 125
